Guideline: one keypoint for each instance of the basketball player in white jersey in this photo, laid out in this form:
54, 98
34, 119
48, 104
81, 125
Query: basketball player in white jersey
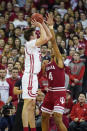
32, 68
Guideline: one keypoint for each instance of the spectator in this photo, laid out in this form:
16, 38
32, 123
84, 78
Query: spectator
58, 21
1, 102
76, 41
77, 16
14, 54
70, 57
12, 80
78, 27
68, 108
18, 118
62, 11
4, 61
79, 115
20, 22
2, 22
9, 7
39, 101
10, 60
43, 51
2, 6
18, 34
77, 69
18, 65
10, 31
9, 70
80, 6
81, 49
6, 51
4, 87
2, 44
14, 15
11, 42
17, 44
83, 20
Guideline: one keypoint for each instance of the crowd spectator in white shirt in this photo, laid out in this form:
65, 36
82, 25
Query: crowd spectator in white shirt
62, 11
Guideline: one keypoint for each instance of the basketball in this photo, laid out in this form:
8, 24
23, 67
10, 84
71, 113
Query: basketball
38, 17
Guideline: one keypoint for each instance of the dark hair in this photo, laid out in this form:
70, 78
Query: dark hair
77, 52
28, 33
15, 68
76, 36
83, 94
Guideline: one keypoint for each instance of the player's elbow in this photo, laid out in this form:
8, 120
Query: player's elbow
49, 37
44, 40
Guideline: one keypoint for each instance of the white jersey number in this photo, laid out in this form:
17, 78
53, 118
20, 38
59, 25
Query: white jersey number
50, 76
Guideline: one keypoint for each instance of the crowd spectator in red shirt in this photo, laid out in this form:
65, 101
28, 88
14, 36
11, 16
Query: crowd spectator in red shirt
12, 80
77, 69
79, 115
68, 108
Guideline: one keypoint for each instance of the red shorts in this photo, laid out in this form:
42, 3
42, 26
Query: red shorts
54, 102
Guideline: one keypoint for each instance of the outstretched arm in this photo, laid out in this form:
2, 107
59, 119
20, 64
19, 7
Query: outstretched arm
43, 36
48, 33
58, 56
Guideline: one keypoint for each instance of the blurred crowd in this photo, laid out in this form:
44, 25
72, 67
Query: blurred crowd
70, 26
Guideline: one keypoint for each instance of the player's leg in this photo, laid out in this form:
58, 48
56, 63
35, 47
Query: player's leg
59, 122
45, 121
47, 109
31, 115
59, 104
25, 114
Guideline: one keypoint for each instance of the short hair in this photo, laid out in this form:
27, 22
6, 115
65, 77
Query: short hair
83, 94
15, 68
77, 52
28, 33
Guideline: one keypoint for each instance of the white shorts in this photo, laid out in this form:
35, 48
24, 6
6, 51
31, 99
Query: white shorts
29, 86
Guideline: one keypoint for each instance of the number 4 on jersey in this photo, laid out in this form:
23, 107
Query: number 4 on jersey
50, 76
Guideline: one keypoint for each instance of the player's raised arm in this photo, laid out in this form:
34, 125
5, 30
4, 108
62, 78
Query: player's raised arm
48, 33
58, 56
43, 36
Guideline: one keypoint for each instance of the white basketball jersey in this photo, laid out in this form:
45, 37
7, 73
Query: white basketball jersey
32, 58
4, 91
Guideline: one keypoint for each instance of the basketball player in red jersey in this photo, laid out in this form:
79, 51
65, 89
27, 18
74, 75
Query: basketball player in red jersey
54, 101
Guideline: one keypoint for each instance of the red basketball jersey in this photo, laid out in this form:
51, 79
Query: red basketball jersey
56, 75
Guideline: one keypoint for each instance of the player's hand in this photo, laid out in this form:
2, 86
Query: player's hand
35, 23
49, 20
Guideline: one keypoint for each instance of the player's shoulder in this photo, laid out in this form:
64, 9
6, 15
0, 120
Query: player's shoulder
31, 43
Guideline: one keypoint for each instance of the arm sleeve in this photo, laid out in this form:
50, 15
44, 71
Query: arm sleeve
72, 114
81, 74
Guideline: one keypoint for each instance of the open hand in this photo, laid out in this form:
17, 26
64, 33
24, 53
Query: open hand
35, 23
49, 20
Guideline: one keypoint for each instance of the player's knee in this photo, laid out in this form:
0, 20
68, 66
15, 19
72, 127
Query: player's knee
45, 116
58, 117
